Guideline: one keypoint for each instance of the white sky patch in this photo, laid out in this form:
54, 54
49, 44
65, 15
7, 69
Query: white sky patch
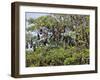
34, 15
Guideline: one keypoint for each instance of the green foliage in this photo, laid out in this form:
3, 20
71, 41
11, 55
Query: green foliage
30, 20
58, 52
28, 36
69, 61
32, 28
56, 56
42, 21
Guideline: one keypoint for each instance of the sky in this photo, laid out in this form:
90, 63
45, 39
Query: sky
34, 15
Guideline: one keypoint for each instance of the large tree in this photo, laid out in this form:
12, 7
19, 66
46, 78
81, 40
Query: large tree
59, 22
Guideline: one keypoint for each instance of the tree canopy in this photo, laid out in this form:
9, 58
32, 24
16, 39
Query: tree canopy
68, 44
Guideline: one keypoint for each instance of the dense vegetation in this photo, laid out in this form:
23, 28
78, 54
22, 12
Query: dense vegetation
65, 40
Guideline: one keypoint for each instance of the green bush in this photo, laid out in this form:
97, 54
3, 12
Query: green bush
44, 56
